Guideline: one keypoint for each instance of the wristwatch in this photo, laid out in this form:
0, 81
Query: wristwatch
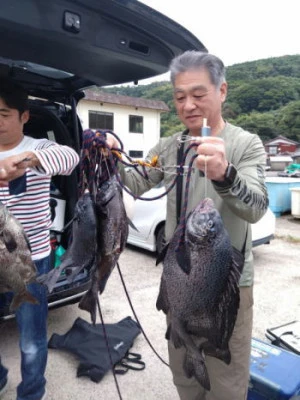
229, 178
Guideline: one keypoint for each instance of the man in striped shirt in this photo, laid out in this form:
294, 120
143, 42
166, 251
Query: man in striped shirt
26, 168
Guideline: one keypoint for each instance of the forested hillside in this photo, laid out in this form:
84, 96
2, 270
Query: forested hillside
263, 97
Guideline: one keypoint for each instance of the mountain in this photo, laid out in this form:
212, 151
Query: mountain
263, 97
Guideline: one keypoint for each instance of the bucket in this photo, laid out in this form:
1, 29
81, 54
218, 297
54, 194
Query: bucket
295, 202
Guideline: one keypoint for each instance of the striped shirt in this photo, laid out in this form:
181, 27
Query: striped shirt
28, 197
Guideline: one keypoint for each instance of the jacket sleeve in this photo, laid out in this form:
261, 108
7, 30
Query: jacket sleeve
247, 197
55, 159
141, 179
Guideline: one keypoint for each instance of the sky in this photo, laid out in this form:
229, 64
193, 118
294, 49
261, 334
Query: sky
236, 30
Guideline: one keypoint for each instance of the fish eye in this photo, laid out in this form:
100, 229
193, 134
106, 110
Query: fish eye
210, 224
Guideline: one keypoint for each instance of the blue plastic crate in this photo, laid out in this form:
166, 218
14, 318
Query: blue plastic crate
274, 372
280, 194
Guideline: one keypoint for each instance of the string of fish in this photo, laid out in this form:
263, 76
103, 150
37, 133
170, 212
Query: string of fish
97, 164
92, 175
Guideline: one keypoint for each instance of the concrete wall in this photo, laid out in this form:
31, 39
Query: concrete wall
132, 141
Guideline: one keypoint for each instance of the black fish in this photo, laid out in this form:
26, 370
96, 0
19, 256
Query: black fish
16, 266
112, 232
203, 300
81, 251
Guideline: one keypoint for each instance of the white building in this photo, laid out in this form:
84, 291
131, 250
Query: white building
136, 121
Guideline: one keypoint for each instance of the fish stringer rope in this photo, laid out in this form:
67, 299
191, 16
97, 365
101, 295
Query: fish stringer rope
205, 177
137, 320
108, 349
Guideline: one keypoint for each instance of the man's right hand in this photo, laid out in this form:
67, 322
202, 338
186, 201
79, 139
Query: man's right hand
112, 142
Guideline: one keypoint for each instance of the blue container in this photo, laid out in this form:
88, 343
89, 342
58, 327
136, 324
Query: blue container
280, 194
274, 373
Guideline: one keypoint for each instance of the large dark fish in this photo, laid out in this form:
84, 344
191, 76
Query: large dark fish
16, 266
81, 251
112, 232
202, 297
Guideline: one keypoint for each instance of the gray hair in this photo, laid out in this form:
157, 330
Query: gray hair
194, 60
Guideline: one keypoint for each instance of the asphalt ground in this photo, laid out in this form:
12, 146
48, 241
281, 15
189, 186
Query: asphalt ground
277, 301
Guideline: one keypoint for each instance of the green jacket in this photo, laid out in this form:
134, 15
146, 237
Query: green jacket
241, 204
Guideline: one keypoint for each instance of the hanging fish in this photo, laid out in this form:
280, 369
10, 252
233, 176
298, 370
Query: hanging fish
202, 296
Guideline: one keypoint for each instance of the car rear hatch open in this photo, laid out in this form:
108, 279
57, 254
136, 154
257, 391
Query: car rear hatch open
102, 42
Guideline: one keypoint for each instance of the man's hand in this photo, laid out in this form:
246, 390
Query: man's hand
15, 166
211, 157
112, 142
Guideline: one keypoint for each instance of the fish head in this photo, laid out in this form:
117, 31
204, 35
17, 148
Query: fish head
107, 191
204, 223
84, 209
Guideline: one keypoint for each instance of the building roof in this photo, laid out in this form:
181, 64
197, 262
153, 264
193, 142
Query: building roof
279, 139
140, 102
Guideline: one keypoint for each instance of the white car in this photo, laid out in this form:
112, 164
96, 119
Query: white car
149, 219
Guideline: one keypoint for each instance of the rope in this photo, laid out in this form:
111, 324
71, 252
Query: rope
182, 222
137, 320
108, 349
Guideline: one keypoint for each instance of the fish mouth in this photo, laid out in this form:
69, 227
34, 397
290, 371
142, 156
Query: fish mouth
205, 205
200, 223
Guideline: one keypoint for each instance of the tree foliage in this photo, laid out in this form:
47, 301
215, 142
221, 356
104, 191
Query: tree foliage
263, 97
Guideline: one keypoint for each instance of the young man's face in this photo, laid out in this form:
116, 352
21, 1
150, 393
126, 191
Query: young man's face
11, 123
196, 98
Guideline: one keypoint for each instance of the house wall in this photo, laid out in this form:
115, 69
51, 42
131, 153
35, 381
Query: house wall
281, 147
131, 141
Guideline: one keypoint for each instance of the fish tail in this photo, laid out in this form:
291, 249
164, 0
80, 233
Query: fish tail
88, 303
20, 298
194, 365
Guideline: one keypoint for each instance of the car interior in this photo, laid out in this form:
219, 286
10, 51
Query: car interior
57, 49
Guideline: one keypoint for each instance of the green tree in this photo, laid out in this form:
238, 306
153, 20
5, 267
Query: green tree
263, 97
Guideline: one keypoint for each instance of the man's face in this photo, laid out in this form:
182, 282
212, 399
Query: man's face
11, 123
196, 98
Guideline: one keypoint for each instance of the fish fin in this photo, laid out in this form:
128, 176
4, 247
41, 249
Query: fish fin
162, 254
9, 241
72, 271
88, 303
19, 298
238, 259
221, 354
50, 278
183, 258
194, 365
130, 223
168, 332
176, 339
162, 302
228, 308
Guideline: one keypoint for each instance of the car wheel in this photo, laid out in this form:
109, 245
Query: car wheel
160, 239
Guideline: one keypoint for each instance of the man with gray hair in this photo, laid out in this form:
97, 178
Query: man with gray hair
233, 162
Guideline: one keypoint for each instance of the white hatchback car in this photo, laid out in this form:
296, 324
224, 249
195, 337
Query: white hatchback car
149, 219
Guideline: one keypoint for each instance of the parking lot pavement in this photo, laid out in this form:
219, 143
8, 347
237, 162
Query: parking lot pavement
277, 301
289, 227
